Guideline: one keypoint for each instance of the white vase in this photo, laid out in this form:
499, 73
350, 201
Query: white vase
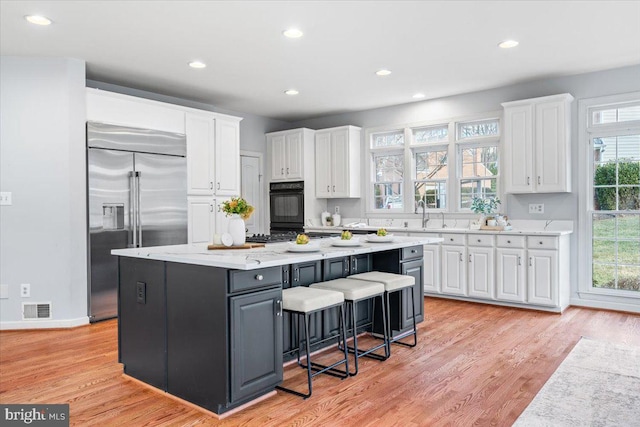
237, 230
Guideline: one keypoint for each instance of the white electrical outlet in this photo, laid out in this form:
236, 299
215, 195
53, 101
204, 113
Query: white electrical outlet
4, 291
5, 198
25, 290
536, 208
337, 209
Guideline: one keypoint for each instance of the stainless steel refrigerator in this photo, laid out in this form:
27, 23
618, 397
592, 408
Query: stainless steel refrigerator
137, 186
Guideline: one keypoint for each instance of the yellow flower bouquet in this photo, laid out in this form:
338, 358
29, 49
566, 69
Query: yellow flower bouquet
237, 205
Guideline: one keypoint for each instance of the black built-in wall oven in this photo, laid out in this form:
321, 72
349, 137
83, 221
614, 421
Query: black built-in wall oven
286, 202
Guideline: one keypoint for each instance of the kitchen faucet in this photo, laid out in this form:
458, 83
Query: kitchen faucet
443, 224
424, 210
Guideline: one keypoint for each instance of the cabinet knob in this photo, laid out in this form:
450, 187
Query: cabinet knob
538, 180
287, 171
334, 188
328, 188
451, 239
540, 243
218, 186
528, 180
259, 277
282, 171
413, 251
508, 241
479, 240
211, 185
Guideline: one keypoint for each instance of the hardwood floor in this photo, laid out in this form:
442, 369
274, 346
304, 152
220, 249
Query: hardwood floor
474, 364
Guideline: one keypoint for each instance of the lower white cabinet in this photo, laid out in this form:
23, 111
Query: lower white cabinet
525, 271
205, 218
510, 275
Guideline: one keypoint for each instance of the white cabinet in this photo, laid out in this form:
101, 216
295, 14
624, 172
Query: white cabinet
338, 161
510, 275
480, 272
454, 269
286, 150
431, 279
213, 154
205, 219
542, 277
537, 145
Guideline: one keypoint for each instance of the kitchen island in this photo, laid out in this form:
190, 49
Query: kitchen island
207, 326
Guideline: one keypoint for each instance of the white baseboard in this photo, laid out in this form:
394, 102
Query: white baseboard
605, 305
44, 324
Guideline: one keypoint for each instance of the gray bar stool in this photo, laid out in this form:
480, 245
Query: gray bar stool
393, 283
355, 291
303, 301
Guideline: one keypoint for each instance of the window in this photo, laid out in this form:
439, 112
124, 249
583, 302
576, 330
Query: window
478, 172
430, 177
615, 114
387, 150
445, 164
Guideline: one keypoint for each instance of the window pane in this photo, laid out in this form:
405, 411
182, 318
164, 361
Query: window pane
434, 194
616, 175
628, 226
604, 276
388, 139
478, 129
604, 251
389, 167
431, 165
629, 278
604, 226
616, 115
431, 134
388, 196
629, 252
480, 162
483, 188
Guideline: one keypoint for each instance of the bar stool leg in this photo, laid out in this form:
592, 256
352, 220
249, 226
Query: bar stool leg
344, 341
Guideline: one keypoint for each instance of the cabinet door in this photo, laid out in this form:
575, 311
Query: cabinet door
142, 320
431, 281
340, 163
551, 147
510, 275
481, 272
414, 269
227, 159
454, 279
256, 343
202, 219
200, 153
304, 274
293, 163
518, 149
277, 151
542, 280
323, 164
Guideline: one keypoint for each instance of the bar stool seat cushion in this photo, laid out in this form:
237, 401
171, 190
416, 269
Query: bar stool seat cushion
306, 300
392, 282
353, 290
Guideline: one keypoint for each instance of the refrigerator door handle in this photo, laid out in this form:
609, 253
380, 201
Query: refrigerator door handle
138, 221
132, 211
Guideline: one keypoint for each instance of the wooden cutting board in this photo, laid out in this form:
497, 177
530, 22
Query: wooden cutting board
245, 246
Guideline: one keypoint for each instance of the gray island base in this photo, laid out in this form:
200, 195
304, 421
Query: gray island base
207, 326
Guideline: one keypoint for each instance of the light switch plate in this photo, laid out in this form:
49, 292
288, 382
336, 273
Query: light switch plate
5, 198
536, 208
25, 290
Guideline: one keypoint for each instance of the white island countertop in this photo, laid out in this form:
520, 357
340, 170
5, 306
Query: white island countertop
273, 254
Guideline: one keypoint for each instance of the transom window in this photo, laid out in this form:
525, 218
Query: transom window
431, 134
478, 129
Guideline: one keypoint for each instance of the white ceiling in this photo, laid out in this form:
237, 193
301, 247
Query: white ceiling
439, 48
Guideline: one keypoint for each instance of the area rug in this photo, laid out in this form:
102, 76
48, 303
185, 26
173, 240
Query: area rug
598, 384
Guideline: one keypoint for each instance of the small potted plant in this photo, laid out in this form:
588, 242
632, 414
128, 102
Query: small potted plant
485, 207
239, 210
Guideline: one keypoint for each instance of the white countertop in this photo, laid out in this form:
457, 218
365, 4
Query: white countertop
273, 254
549, 231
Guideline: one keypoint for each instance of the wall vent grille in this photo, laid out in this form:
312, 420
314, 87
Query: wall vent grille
35, 311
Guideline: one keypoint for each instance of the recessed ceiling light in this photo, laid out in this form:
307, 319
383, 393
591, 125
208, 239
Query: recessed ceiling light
291, 92
383, 72
508, 44
38, 20
418, 95
197, 64
293, 33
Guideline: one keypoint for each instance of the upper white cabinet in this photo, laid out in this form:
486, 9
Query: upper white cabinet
213, 154
286, 150
537, 145
338, 162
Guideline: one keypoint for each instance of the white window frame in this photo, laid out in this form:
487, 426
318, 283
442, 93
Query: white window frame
452, 144
479, 143
422, 148
591, 296
389, 150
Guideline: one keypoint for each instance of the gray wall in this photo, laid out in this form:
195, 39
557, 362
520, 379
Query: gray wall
42, 162
557, 206
252, 127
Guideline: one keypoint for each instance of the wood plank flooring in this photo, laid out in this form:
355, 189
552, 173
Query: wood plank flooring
474, 364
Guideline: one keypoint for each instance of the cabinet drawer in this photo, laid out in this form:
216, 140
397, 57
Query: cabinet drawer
453, 239
243, 280
480, 240
542, 242
510, 241
412, 252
